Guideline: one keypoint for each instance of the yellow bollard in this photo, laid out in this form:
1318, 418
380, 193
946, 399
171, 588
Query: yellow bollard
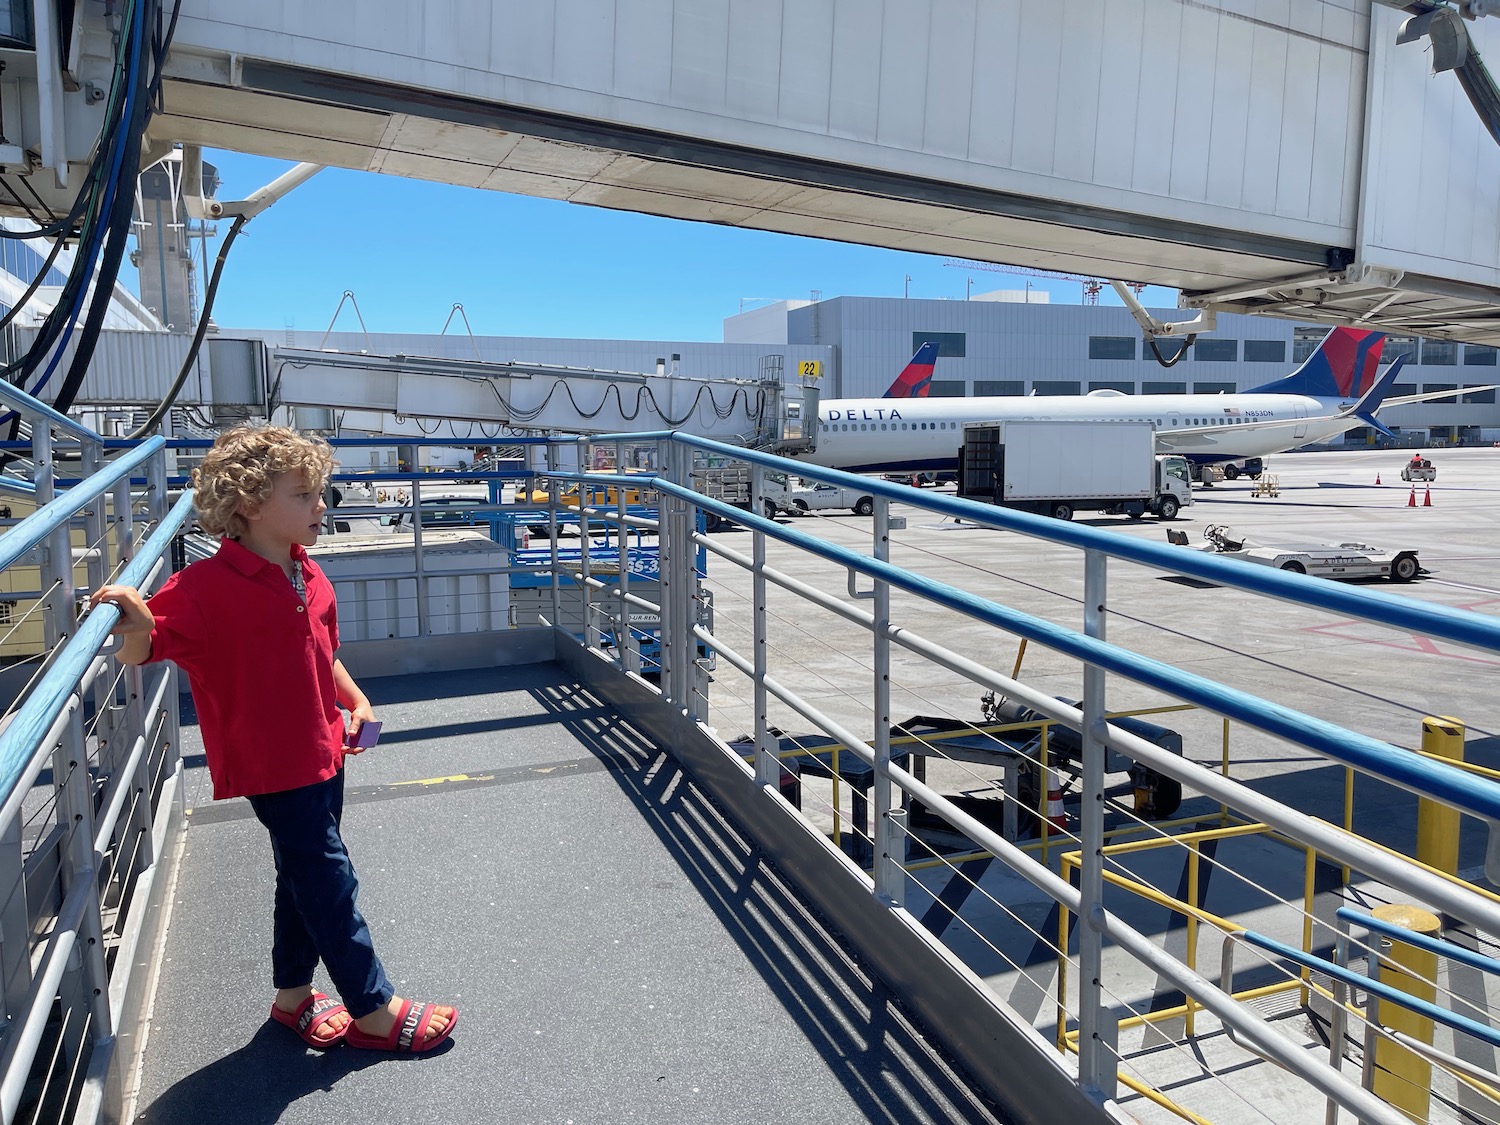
1402, 1078
1437, 823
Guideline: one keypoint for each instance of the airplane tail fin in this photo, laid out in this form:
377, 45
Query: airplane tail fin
1344, 366
1370, 402
915, 379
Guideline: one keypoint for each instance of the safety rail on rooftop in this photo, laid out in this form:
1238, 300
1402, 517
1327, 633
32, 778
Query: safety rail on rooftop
869, 903
82, 857
595, 599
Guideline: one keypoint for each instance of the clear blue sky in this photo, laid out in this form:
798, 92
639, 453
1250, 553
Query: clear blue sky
409, 249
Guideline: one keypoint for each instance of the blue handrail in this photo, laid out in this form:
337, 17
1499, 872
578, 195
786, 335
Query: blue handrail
35, 408
1443, 1016
18, 742
1399, 766
1421, 941
45, 520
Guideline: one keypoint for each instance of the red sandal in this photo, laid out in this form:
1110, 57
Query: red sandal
310, 1015
407, 1033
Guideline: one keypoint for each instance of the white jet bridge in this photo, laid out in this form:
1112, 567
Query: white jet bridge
391, 394
1297, 160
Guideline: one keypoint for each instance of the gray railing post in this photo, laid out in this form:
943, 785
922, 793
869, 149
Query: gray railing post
676, 585
86, 983
889, 848
767, 764
424, 624
15, 954
626, 650
552, 531
1098, 1066
585, 571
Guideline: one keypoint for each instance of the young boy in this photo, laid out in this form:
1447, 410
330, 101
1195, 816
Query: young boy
255, 629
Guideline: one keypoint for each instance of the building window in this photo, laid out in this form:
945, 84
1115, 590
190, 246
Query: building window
1125, 385
1305, 341
948, 388
1057, 387
1169, 349
1439, 353
1429, 388
1479, 355
949, 343
1265, 351
1398, 346
996, 388
1111, 347
1481, 396
1148, 388
1214, 388
1402, 390
1216, 351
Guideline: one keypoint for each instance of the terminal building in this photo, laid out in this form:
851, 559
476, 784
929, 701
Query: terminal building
1002, 343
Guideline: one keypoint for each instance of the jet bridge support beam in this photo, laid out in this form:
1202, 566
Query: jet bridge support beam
532, 396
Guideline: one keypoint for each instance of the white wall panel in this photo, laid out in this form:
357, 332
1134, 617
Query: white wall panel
1078, 91
994, 103
1432, 168
643, 40
1197, 50
700, 52
1229, 121
950, 78
903, 65
1036, 92
853, 96
1263, 152
1116, 146
1155, 110
807, 65
1243, 114
753, 67
583, 43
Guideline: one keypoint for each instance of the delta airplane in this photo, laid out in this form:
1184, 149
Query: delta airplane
1336, 389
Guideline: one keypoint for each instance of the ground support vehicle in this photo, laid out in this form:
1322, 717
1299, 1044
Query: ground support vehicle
1325, 560
1058, 468
822, 497
728, 481
1251, 467
594, 617
1018, 752
1419, 468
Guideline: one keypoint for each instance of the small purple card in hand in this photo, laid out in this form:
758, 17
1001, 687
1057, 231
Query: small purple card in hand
368, 735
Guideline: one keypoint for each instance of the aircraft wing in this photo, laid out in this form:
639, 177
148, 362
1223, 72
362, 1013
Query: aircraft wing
1164, 438
1407, 400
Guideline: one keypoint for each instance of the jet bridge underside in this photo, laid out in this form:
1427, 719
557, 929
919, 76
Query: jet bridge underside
1298, 162
1293, 160
391, 394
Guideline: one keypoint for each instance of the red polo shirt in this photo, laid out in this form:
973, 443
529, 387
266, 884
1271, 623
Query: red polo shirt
260, 664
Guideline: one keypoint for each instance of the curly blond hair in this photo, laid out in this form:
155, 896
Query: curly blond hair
241, 469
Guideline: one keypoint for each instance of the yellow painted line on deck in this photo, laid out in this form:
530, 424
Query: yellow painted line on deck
444, 780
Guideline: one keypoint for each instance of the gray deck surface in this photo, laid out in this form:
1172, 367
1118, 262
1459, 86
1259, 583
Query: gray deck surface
616, 949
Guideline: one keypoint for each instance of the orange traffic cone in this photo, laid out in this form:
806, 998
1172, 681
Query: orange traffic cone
1411, 501
1427, 498
1056, 818
1377, 478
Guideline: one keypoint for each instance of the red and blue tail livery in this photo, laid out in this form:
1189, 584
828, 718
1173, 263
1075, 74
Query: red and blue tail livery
915, 380
1344, 366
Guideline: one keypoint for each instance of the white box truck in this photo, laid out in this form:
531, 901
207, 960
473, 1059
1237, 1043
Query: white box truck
1058, 468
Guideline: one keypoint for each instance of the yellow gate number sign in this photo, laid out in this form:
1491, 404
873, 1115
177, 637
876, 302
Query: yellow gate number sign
810, 369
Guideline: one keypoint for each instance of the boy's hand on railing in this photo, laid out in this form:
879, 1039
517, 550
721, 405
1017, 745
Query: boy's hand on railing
135, 616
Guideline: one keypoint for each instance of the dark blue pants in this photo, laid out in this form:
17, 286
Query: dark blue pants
316, 916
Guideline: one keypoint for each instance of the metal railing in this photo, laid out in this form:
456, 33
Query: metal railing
88, 771
1091, 1016
85, 849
